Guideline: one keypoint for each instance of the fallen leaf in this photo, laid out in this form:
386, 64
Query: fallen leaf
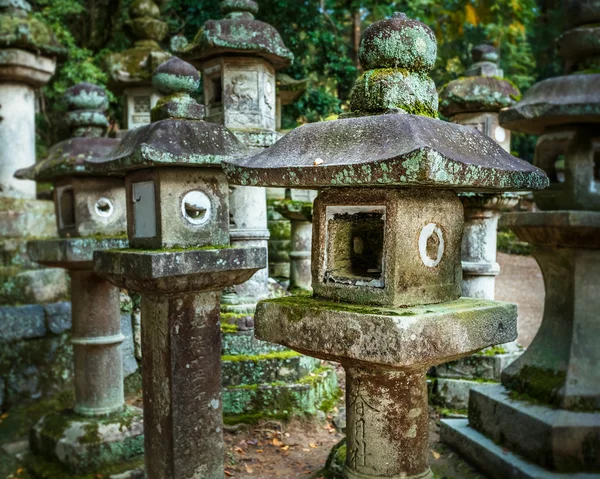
260, 451
277, 442
249, 470
436, 454
227, 473
313, 445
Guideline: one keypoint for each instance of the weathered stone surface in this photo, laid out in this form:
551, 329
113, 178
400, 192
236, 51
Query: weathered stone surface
555, 439
85, 445
178, 271
32, 286
74, 253
386, 150
453, 393
399, 338
130, 364
25, 218
18, 29
239, 32
556, 101
495, 460
22, 322
472, 94
58, 317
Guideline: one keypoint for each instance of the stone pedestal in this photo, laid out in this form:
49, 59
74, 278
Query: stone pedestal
280, 230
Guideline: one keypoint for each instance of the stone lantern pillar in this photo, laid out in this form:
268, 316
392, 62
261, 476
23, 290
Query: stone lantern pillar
298, 208
238, 57
90, 211
475, 100
387, 230
131, 70
544, 419
28, 52
180, 260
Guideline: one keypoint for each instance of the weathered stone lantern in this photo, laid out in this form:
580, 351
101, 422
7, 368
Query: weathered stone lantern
475, 100
28, 51
90, 210
131, 70
238, 57
298, 208
386, 246
544, 420
180, 260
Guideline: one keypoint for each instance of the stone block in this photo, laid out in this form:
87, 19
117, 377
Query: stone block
556, 439
453, 393
58, 317
85, 445
245, 343
285, 366
26, 218
33, 286
21, 322
494, 459
130, 364
484, 365
13, 252
306, 396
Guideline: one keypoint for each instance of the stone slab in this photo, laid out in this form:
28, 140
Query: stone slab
36, 286
172, 271
244, 342
496, 461
26, 218
478, 366
554, 438
22, 322
58, 317
400, 338
72, 253
453, 393
130, 364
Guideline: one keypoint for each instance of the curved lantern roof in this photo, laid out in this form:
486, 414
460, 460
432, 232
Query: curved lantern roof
386, 150
86, 104
239, 32
178, 135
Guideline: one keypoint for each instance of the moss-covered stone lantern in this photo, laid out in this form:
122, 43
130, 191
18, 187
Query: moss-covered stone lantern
475, 100
387, 229
544, 419
131, 70
90, 209
180, 260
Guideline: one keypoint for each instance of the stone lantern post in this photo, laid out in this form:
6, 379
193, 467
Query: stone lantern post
131, 70
28, 51
298, 208
238, 57
544, 419
90, 211
475, 100
180, 260
387, 230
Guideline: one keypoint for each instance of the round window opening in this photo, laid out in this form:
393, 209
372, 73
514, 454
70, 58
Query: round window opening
104, 207
431, 245
196, 207
500, 134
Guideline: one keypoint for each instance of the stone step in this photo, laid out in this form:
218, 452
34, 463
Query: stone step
288, 366
315, 391
486, 365
244, 342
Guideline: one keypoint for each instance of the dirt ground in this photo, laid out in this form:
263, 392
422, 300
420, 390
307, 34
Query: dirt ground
520, 281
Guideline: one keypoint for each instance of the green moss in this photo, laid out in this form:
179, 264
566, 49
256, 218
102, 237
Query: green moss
28, 33
509, 243
40, 468
91, 435
493, 351
229, 328
536, 385
262, 357
173, 249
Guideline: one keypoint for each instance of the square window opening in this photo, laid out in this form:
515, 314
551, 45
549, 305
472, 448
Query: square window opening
355, 249
217, 90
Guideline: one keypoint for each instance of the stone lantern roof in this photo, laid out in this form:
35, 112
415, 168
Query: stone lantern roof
19, 29
177, 136
387, 146
239, 32
574, 97
86, 104
134, 67
482, 89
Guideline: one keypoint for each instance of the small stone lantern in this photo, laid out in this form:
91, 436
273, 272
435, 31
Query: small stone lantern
387, 230
88, 206
544, 419
180, 260
298, 208
131, 70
